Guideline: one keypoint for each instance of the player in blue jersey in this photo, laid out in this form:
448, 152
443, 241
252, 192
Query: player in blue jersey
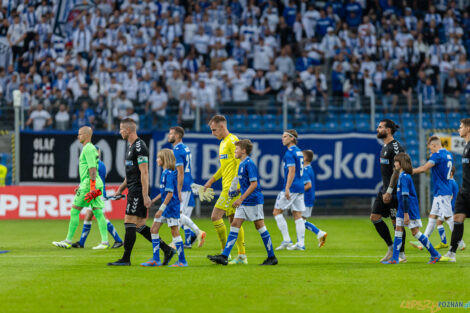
292, 195
89, 215
408, 211
248, 207
440, 163
183, 168
169, 211
309, 197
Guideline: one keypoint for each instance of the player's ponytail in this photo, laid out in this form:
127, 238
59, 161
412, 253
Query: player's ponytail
390, 124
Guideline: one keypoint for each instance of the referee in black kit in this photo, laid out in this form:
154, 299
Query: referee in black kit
138, 199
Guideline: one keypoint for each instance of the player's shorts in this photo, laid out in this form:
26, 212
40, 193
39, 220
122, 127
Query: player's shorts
224, 202
412, 224
296, 202
462, 203
250, 213
79, 200
186, 195
308, 212
168, 220
442, 206
385, 209
135, 205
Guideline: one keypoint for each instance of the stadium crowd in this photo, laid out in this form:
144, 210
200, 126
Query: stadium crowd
158, 60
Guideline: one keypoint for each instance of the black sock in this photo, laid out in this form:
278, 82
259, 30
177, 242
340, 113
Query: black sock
129, 240
457, 235
383, 231
145, 231
403, 240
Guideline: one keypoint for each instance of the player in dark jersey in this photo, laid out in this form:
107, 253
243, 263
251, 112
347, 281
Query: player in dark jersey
462, 203
138, 200
385, 204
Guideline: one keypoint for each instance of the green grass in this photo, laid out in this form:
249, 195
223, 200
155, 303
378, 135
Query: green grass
343, 276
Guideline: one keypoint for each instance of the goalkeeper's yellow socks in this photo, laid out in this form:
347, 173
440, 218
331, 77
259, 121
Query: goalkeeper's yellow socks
221, 232
101, 224
241, 241
73, 224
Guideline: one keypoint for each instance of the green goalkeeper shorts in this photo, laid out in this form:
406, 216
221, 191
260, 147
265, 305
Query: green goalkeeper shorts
79, 200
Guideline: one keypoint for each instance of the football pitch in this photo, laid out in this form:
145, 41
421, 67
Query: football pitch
343, 276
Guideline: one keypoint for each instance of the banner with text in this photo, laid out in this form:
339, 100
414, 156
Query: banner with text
46, 202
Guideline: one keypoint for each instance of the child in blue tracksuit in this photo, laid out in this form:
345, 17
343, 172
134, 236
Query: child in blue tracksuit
408, 211
169, 211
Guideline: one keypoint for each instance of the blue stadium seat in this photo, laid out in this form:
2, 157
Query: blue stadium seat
362, 116
427, 124
343, 117
410, 132
347, 125
332, 126
317, 126
271, 126
363, 126
441, 124
254, 125
409, 124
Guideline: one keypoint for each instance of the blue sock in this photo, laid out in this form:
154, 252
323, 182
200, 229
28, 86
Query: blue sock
187, 236
268, 244
178, 241
397, 245
425, 241
442, 233
311, 227
156, 247
113, 231
232, 238
85, 232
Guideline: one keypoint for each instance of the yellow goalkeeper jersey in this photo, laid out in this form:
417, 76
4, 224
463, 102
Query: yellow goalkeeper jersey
228, 164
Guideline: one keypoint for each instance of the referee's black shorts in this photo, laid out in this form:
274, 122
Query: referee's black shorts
135, 205
462, 203
385, 209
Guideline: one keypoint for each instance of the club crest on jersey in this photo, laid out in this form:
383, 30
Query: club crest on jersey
223, 156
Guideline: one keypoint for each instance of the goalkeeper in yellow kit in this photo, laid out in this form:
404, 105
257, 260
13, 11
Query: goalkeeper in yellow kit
227, 171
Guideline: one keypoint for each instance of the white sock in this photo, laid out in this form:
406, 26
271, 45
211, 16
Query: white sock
450, 222
87, 222
300, 229
430, 228
320, 234
282, 225
186, 221
155, 236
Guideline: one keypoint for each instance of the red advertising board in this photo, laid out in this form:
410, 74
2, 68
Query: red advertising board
48, 202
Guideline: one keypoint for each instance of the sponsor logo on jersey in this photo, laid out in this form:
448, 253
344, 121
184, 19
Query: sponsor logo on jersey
223, 156
465, 160
384, 161
129, 163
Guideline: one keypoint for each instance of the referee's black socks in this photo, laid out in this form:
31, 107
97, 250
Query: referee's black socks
457, 235
145, 231
403, 240
129, 240
383, 231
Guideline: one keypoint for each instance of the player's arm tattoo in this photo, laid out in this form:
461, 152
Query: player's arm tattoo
394, 179
144, 178
92, 171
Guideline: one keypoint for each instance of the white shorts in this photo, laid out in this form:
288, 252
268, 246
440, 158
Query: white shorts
412, 224
308, 212
296, 202
250, 213
186, 195
442, 206
169, 221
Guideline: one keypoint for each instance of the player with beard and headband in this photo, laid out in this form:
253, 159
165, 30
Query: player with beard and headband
386, 204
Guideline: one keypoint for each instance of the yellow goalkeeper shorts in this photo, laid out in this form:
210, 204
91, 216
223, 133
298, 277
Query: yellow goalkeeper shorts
224, 202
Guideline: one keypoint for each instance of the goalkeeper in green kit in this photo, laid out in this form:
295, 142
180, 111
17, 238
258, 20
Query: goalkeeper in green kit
88, 193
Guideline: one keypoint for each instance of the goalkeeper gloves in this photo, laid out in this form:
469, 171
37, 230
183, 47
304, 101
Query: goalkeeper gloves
233, 191
207, 195
94, 193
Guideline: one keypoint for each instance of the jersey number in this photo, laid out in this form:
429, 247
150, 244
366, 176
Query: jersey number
301, 166
449, 167
188, 163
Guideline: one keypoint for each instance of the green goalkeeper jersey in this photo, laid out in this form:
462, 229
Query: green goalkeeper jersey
88, 159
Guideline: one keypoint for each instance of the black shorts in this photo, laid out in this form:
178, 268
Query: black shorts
462, 203
385, 209
135, 205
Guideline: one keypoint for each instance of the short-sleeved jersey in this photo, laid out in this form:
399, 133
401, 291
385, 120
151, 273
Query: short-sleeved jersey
466, 168
405, 187
136, 154
228, 164
388, 152
88, 159
102, 173
169, 183
309, 177
183, 158
440, 172
294, 157
455, 191
247, 173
